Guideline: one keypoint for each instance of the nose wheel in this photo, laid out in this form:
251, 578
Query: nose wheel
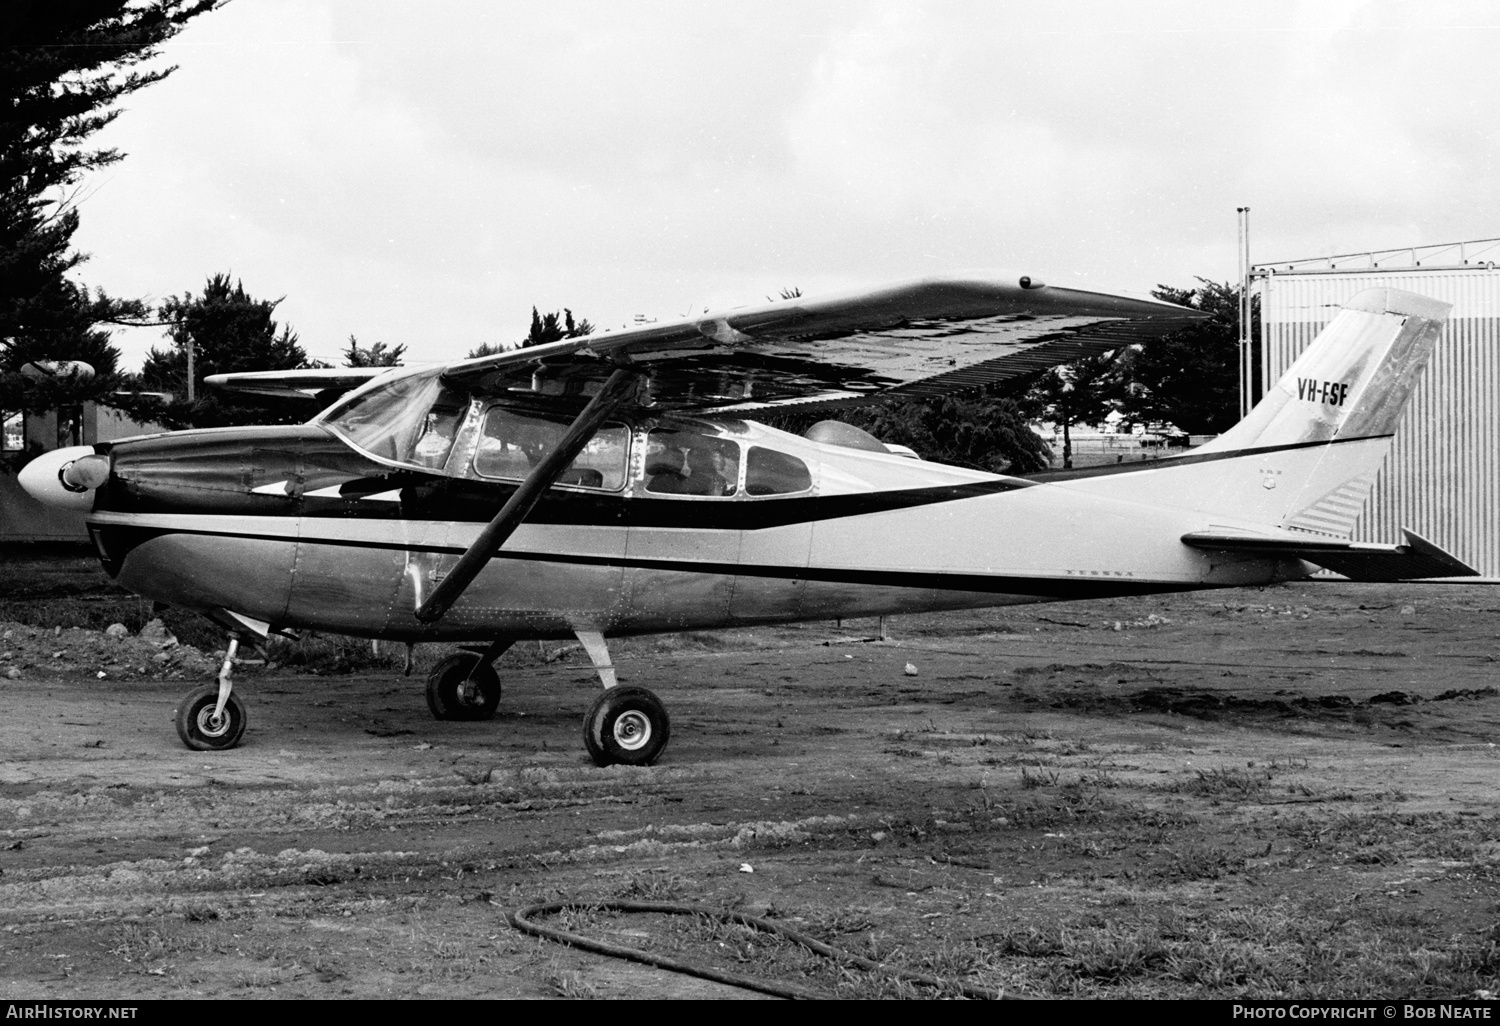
205, 729
626, 725
212, 718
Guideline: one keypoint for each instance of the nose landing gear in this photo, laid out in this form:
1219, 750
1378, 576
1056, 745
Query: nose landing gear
212, 718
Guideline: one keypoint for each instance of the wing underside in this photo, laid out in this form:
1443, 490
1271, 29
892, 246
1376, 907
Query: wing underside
929, 337
924, 338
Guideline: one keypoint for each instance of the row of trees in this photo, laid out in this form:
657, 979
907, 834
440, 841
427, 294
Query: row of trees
64, 64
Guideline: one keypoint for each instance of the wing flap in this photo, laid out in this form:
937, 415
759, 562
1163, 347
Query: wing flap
1359, 561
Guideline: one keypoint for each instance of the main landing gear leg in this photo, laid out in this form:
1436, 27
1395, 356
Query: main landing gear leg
465, 686
625, 725
212, 718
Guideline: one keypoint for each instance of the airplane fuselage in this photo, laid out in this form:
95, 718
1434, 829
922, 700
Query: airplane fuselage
297, 528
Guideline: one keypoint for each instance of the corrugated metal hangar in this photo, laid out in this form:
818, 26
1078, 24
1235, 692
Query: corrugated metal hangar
1442, 477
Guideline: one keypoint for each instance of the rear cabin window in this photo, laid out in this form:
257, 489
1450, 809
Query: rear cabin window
687, 462
768, 472
511, 444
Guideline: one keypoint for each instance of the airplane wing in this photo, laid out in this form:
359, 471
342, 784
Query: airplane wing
1358, 561
295, 384
928, 337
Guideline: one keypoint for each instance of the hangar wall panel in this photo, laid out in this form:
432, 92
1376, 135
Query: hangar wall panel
1442, 476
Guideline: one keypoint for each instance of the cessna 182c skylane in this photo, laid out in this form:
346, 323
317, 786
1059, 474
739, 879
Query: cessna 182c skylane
612, 485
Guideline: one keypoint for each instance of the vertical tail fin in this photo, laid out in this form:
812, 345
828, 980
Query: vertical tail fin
1353, 381
1306, 457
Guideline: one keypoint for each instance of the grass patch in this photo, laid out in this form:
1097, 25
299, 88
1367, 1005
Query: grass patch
1282, 951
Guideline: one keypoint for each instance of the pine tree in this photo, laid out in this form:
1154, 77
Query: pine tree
554, 327
551, 327
1082, 392
377, 355
63, 66
1191, 377
229, 331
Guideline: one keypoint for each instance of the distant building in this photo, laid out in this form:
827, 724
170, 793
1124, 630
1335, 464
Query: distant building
1112, 441
1442, 477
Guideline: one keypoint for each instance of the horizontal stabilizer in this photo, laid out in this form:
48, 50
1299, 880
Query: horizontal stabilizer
1358, 561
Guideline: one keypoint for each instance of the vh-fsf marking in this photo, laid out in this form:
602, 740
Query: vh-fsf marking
615, 484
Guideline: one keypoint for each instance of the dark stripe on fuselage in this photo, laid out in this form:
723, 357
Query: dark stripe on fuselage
1186, 460
119, 540
710, 514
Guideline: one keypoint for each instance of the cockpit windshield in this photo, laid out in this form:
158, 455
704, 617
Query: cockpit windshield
411, 419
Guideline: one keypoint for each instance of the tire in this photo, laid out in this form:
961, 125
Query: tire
195, 720
626, 726
450, 699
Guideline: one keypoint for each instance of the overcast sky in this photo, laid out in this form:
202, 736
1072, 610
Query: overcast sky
426, 173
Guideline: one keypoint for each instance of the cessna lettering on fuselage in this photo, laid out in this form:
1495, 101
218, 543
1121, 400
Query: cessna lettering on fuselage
1334, 393
618, 484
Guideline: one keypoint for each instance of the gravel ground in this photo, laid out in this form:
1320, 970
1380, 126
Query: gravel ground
1287, 792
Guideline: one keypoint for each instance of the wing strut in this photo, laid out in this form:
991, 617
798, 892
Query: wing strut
619, 389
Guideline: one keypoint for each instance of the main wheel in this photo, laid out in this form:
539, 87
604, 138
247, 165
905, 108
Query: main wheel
463, 687
626, 725
198, 728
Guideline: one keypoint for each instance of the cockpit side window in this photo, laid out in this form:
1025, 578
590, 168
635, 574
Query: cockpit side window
511, 443
688, 462
769, 472
411, 420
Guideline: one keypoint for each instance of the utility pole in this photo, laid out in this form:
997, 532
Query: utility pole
1247, 370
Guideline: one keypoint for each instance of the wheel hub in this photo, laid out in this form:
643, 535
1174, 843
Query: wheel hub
210, 725
632, 730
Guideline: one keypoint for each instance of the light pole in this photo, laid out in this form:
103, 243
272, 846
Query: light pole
1247, 373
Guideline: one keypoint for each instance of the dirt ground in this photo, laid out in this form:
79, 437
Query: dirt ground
1260, 793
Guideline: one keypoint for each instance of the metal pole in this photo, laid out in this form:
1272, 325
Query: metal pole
1247, 374
1239, 268
1246, 316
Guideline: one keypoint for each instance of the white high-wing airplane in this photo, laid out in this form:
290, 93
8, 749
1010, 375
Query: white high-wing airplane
611, 485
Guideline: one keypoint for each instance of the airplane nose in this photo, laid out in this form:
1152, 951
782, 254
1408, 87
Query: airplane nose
65, 478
